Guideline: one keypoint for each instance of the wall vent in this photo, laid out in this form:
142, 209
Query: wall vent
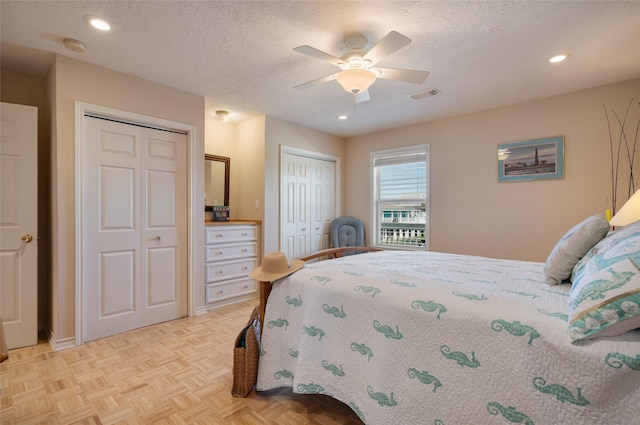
424, 93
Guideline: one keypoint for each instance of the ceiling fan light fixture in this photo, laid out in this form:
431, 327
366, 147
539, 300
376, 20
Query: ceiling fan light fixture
356, 80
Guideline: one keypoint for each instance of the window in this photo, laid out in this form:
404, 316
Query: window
400, 188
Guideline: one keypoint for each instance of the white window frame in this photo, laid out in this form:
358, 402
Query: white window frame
390, 154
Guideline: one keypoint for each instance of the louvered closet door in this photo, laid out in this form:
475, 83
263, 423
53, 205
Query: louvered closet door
134, 227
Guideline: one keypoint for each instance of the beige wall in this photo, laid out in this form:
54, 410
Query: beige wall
250, 166
243, 143
254, 149
220, 139
80, 81
279, 133
471, 213
23, 89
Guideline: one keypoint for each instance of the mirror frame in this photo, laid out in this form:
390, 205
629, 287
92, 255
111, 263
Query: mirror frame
227, 173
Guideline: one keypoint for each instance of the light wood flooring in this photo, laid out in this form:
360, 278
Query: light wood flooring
177, 372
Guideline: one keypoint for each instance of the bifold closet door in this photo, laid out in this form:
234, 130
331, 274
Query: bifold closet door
134, 227
323, 202
295, 202
307, 204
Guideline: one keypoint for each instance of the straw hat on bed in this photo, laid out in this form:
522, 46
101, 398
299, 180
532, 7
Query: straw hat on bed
275, 265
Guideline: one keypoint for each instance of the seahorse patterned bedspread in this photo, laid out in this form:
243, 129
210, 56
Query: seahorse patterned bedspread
432, 338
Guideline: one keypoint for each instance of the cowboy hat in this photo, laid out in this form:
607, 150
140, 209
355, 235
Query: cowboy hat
275, 265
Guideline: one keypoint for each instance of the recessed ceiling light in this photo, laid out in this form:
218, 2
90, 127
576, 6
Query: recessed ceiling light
342, 117
559, 58
97, 23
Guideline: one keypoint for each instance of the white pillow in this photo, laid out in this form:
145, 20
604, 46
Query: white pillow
605, 295
573, 246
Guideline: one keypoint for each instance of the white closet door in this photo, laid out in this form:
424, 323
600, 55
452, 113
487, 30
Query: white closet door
322, 202
134, 227
18, 225
164, 236
303, 207
295, 190
288, 200
328, 200
307, 204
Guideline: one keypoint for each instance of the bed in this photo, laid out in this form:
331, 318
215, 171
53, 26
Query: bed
406, 337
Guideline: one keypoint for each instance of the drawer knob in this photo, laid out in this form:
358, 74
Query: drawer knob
219, 253
304, 229
219, 272
244, 250
245, 268
221, 291
219, 235
246, 286
245, 234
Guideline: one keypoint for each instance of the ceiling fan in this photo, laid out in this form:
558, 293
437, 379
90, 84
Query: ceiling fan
357, 66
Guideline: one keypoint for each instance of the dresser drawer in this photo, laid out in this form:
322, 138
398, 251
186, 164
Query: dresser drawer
222, 252
215, 234
224, 270
221, 291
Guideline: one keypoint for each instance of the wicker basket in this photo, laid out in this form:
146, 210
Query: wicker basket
246, 352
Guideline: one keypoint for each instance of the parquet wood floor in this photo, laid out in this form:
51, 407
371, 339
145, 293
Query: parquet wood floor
177, 372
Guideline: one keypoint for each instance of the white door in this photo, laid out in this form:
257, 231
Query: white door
18, 225
295, 184
323, 202
307, 204
288, 203
134, 227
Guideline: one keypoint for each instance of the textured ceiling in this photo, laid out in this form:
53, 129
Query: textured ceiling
239, 53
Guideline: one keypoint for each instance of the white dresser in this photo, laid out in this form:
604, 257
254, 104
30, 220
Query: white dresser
231, 251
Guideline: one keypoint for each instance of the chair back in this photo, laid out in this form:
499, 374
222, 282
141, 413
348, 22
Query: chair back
347, 231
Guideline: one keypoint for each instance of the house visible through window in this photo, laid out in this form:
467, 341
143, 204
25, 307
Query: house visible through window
400, 197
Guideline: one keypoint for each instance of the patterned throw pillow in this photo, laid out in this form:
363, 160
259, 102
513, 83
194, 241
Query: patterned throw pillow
605, 296
573, 246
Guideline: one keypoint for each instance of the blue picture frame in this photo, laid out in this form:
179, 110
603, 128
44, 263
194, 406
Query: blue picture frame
537, 159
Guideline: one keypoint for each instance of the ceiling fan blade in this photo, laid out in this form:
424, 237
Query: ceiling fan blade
406, 75
391, 43
318, 54
363, 96
317, 82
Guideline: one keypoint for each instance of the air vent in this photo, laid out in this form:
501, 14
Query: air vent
424, 93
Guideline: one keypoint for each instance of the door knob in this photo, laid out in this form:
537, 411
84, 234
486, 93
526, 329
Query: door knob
26, 238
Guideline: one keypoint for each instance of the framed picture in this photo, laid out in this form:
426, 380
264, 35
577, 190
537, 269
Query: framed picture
531, 159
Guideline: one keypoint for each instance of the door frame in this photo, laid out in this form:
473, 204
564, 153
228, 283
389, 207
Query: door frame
193, 159
285, 149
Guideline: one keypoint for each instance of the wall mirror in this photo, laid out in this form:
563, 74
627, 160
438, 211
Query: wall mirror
216, 181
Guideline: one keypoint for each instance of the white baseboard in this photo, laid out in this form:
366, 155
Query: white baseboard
61, 344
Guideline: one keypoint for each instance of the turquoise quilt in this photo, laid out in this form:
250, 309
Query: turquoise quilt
433, 338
